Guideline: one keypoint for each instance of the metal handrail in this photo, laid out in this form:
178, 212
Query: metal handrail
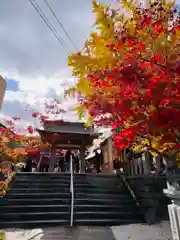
72, 191
132, 193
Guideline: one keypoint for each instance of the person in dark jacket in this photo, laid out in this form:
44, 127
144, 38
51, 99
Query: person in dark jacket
76, 162
34, 166
28, 167
44, 166
98, 161
61, 165
67, 159
12, 167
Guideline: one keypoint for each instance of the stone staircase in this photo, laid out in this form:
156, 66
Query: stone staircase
44, 200
36, 199
102, 199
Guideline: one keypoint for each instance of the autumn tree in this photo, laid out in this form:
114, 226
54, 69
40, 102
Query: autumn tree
7, 153
14, 147
128, 74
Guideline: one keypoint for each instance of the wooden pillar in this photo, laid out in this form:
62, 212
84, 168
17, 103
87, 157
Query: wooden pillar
126, 162
82, 158
145, 161
110, 155
132, 166
157, 163
140, 164
136, 166
52, 159
105, 167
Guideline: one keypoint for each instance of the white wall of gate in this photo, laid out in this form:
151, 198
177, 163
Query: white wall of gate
3, 85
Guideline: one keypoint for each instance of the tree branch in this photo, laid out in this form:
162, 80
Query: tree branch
150, 61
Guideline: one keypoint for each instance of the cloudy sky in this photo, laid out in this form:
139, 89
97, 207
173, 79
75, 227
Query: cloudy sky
32, 60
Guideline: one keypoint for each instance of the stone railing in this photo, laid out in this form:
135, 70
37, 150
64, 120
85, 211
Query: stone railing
149, 193
173, 192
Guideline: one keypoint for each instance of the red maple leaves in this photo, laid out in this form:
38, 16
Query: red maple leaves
141, 93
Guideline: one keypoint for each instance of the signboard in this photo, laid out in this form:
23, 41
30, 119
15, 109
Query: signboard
2, 236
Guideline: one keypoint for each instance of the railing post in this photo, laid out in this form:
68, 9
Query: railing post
72, 191
173, 210
173, 192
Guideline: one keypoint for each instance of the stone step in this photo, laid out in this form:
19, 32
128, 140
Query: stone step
34, 201
100, 195
106, 214
39, 190
61, 201
49, 195
33, 208
65, 207
97, 182
105, 222
65, 215
48, 184
22, 216
103, 201
42, 174
65, 176
66, 190
41, 181
102, 208
100, 191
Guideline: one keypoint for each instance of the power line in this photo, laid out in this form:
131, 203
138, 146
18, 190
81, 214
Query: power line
48, 23
61, 25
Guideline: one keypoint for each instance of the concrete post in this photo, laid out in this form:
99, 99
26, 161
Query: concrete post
174, 211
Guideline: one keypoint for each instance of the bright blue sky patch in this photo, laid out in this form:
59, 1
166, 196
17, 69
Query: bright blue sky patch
12, 85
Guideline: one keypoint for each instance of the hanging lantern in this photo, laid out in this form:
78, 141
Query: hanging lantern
30, 129
35, 114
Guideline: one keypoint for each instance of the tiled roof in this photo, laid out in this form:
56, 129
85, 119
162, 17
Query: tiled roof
68, 127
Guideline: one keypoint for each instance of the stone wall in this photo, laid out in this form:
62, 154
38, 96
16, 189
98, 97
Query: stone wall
149, 193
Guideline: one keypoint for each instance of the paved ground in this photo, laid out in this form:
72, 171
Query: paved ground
159, 231
128, 232
80, 233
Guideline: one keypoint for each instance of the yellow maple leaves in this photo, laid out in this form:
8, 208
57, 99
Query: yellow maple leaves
84, 85
80, 111
104, 23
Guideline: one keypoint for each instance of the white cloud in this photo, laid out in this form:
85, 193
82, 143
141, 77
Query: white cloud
39, 83
32, 56
34, 92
